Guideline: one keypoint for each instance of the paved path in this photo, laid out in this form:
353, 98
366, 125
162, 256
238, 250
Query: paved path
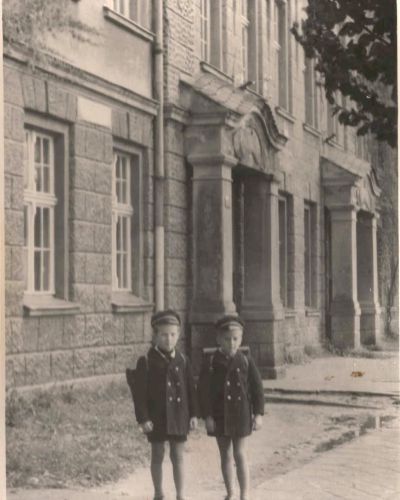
365, 469
376, 376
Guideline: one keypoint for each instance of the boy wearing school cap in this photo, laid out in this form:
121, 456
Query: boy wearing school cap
231, 400
165, 401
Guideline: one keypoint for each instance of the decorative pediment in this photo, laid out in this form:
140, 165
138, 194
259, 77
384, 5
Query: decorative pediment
252, 144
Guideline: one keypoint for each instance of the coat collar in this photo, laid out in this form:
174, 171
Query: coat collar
160, 353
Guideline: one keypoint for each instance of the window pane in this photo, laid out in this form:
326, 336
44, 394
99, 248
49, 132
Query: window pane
46, 179
46, 151
38, 177
283, 250
125, 234
46, 227
38, 227
119, 270
118, 235
26, 222
46, 271
37, 268
38, 156
25, 267
307, 283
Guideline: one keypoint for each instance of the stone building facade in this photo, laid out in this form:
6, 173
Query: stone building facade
269, 205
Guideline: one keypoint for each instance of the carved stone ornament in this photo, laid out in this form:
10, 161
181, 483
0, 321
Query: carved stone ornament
367, 193
247, 147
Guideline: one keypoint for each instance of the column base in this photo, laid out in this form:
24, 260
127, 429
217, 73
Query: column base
346, 331
370, 322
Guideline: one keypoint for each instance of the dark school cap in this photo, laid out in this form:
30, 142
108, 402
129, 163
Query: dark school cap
167, 317
228, 321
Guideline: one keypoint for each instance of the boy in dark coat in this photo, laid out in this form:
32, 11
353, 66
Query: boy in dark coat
165, 400
231, 401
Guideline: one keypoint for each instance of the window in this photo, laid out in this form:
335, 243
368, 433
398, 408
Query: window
244, 22
283, 66
211, 31
285, 253
335, 129
39, 212
45, 201
126, 249
363, 147
311, 94
254, 49
136, 10
309, 255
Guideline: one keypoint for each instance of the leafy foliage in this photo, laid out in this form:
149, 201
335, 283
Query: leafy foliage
27, 22
354, 45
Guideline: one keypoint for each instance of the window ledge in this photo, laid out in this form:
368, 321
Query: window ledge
285, 114
125, 302
45, 305
334, 144
290, 313
128, 24
313, 313
209, 68
311, 130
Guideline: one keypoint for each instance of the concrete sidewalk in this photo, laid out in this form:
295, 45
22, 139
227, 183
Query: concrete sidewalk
341, 375
365, 469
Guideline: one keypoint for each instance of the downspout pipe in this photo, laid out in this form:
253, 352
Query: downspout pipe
159, 174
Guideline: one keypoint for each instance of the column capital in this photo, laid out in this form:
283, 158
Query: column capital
203, 160
343, 213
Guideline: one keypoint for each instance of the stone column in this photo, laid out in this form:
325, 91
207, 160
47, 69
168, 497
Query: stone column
368, 278
345, 310
212, 238
261, 249
261, 307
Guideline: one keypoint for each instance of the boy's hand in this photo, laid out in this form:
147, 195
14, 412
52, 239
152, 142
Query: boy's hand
147, 426
193, 423
210, 424
257, 422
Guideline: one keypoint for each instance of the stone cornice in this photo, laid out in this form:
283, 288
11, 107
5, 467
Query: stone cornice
90, 83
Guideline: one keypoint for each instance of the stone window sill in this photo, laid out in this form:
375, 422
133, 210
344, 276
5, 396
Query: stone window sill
125, 302
311, 130
285, 114
313, 313
334, 144
128, 24
209, 68
46, 305
290, 313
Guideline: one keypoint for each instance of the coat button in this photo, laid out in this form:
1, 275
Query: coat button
178, 384
238, 369
170, 398
228, 383
238, 384
178, 399
169, 384
239, 398
177, 368
228, 396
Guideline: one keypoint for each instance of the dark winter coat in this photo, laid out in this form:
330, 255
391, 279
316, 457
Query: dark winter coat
231, 391
165, 393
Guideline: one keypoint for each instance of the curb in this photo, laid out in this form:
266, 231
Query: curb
332, 392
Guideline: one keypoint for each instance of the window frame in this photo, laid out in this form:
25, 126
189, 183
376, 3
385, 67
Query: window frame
310, 260
211, 33
283, 54
35, 202
133, 210
311, 117
285, 279
141, 16
244, 38
45, 304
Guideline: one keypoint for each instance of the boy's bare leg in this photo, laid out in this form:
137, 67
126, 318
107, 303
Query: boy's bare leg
242, 466
157, 457
225, 451
176, 454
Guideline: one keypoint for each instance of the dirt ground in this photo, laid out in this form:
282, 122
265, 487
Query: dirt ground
292, 435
